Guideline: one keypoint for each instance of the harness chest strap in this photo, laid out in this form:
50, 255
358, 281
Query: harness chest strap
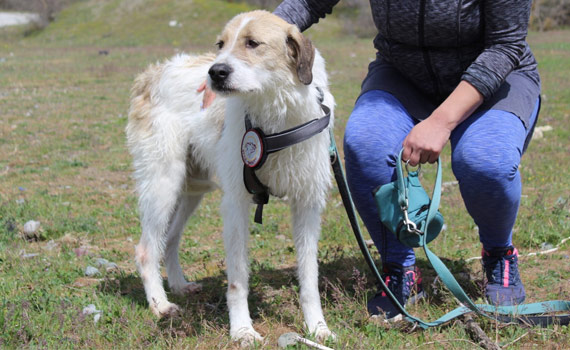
256, 146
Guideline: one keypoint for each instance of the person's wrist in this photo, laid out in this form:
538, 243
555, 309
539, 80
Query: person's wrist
444, 118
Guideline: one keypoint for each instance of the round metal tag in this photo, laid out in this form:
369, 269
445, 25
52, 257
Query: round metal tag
252, 148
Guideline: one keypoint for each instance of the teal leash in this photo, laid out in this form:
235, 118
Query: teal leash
533, 314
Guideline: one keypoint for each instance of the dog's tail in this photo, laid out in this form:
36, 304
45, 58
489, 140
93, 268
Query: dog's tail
141, 101
196, 186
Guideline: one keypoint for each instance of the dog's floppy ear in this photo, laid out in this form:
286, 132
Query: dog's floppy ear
303, 54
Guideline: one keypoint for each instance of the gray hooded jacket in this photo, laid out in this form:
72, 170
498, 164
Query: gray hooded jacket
425, 47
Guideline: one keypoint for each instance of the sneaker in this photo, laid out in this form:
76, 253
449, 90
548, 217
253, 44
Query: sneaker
404, 283
504, 286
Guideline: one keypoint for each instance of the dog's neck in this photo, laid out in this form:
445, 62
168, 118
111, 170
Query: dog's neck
282, 109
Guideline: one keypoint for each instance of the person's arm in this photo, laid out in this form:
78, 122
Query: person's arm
506, 25
304, 13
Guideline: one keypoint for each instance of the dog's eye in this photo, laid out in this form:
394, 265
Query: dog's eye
251, 44
220, 44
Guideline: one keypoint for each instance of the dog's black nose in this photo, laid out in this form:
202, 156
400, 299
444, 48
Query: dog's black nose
219, 72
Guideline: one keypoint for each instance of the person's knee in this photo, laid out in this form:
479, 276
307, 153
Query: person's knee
485, 166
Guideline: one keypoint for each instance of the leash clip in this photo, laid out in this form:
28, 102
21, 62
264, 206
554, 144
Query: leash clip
409, 224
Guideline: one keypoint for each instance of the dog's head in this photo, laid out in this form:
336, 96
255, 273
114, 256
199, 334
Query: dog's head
258, 50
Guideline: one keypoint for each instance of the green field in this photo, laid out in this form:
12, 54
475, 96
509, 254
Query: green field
64, 94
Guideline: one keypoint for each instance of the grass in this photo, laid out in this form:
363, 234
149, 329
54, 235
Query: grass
63, 161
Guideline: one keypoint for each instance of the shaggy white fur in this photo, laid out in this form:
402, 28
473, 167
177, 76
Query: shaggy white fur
273, 75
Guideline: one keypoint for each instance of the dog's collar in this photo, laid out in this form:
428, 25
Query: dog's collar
255, 147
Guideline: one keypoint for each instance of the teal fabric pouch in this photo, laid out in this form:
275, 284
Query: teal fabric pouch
406, 209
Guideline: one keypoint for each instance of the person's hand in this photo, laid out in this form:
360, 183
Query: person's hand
209, 95
427, 139
425, 142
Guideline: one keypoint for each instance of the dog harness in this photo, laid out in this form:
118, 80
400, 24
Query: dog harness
256, 146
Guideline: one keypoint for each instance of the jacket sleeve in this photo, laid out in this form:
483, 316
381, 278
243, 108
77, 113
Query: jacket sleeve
505, 30
304, 13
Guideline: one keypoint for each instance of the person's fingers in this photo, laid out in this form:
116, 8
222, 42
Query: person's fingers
202, 87
433, 158
406, 153
413, 159
424, 157
209, 97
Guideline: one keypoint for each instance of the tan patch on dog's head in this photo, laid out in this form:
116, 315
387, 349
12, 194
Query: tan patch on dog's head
261, 39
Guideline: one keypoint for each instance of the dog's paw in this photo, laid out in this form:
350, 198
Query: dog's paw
322, 332
246, 336
164, 309
187, 288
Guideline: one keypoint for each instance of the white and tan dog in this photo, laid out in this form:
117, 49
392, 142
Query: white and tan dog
266, 68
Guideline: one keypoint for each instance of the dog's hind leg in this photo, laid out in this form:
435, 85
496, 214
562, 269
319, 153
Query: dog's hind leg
159, 194
176, 281
306, 231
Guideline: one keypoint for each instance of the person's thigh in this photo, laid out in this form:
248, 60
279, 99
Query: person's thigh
373, 137
486, 154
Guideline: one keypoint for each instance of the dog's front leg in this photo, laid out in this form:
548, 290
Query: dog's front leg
235, 211
306, 231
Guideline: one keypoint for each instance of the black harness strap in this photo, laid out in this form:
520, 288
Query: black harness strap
276, 142
298, 134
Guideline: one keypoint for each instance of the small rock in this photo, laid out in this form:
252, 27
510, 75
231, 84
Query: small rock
369, 243
106, 264
281, 237
92, 310
101, 262
111, 266
91, 271
546, 246
540, 130
23, 255
20, 201
31, 227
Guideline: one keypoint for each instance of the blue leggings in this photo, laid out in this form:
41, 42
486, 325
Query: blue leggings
486, 152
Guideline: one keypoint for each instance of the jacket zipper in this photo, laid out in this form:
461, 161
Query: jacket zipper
426, 56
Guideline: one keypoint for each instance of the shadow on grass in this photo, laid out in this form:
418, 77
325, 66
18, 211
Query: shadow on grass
273, 290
